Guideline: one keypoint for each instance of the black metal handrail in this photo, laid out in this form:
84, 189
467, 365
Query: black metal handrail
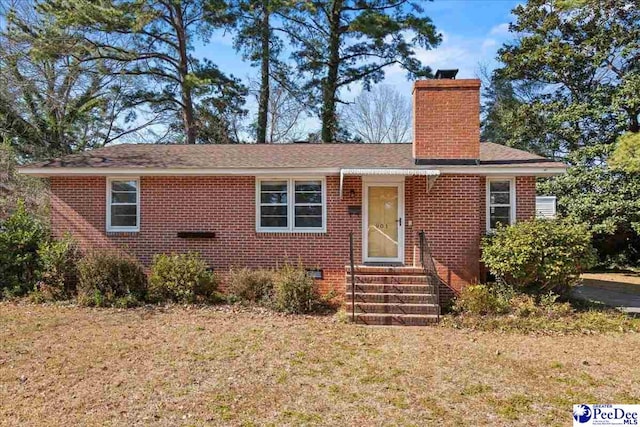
429, 267
353, 278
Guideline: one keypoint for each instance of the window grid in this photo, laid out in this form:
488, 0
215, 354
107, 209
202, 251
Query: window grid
112, 204
307, 204
262, 204
492, 205
292, 204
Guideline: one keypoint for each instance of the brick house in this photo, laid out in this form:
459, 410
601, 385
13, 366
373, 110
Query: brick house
259, 205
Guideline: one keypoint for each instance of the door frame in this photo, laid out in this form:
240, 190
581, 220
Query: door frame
382, 181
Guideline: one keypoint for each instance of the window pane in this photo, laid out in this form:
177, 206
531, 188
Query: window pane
273, 216
309, 186
499, 215
309, 221
274, 186
124, 216
123, 185
123, 197
308, 210
499, 186
273, 221
500, 198
273, 211
308, 216
271, 198
309, 197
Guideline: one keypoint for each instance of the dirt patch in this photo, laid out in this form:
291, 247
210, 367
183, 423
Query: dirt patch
217, 366
628, 282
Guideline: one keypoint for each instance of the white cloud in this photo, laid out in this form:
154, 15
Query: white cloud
488, 44
500, 30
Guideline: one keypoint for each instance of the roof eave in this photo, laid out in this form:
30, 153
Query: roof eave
530, 170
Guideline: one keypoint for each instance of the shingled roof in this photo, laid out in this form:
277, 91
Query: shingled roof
272, 156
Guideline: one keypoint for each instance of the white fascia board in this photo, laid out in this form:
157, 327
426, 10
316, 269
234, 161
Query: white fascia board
175, 172
458, 170
502, 170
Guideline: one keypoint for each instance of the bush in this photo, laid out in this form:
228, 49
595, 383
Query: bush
252, 285
20, 236
181, 278
539, 256
498, 299
293, 290
110, 278
481, 300
58, 276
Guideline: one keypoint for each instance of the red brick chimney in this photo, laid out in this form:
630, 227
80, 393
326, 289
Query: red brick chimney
446, 121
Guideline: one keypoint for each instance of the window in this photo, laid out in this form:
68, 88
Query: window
273, 204
290, 205
500, 202
123, 204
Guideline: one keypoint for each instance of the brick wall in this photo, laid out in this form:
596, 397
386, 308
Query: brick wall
225, 205
525, 197
446, 117
449, 214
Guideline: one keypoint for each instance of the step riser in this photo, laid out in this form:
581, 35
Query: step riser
395, 309
395, 321
392, 288
386, 270
389, 279
393, 298
398, 296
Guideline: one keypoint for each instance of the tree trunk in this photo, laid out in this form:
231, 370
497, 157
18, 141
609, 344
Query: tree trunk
330, 84
188, 117
634, 125
263, 107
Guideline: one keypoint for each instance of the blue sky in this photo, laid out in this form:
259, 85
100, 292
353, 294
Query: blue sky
473, 31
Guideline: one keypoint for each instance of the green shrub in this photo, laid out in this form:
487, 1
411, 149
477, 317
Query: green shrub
58, 275
539, 256
107, 277
20, 236
181, 278
482, 300
293, 290
252, 285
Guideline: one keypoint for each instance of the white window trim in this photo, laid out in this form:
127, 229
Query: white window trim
512, 197
111, 229
291, 228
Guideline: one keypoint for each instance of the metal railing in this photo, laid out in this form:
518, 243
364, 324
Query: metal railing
353, 278
429, 267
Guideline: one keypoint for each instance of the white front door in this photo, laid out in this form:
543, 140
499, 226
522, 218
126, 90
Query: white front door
383, 222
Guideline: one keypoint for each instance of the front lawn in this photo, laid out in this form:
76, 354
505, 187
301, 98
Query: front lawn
221, 366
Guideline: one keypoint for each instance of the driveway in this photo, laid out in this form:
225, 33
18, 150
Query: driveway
620, 290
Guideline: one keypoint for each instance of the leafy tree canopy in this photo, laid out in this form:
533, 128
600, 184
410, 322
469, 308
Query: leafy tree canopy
584, 58
627, 153
605, 198
568, 88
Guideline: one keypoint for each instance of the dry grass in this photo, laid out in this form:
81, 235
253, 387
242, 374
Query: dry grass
214, 366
